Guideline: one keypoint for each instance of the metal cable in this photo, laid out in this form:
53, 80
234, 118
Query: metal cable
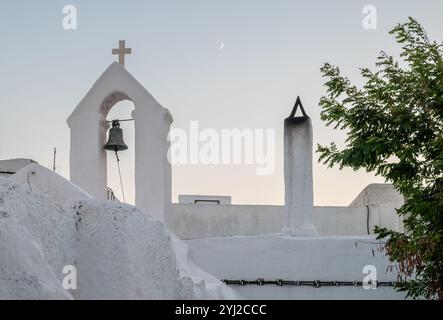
120, 175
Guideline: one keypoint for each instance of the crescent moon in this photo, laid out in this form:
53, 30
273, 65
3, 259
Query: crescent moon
222, 45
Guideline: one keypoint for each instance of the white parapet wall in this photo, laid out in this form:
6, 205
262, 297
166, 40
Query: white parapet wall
273, 257
10, 167
189, 221
378, 194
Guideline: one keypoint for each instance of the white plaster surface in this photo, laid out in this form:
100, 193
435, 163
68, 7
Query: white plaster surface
285, 257
205, 285
88, 135
25, 272
42, 181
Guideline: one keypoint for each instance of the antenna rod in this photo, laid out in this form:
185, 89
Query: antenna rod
55, 154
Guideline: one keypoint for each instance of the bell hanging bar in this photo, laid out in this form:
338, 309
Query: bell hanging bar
123, 120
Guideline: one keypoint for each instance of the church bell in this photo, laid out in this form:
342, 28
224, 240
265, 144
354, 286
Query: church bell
115, 141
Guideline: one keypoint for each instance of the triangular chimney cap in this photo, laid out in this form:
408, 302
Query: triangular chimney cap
292, 117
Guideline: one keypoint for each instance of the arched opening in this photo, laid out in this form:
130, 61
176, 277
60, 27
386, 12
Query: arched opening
119, 111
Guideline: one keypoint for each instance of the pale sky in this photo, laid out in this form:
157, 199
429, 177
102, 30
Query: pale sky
272, 52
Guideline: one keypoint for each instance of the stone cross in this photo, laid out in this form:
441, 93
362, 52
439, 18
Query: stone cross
299, 202
122, 51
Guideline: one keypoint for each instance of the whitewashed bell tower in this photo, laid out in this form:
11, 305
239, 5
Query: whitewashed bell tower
88, 125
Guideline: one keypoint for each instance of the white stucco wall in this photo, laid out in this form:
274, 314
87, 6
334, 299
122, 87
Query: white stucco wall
279, 256
198, 199
190, 221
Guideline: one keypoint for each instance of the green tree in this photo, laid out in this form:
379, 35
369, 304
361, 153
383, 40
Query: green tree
394, 126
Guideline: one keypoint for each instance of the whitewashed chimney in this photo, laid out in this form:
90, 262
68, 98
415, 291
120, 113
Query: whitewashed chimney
299, 199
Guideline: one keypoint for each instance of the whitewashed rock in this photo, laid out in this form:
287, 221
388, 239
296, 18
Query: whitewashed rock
119, 251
